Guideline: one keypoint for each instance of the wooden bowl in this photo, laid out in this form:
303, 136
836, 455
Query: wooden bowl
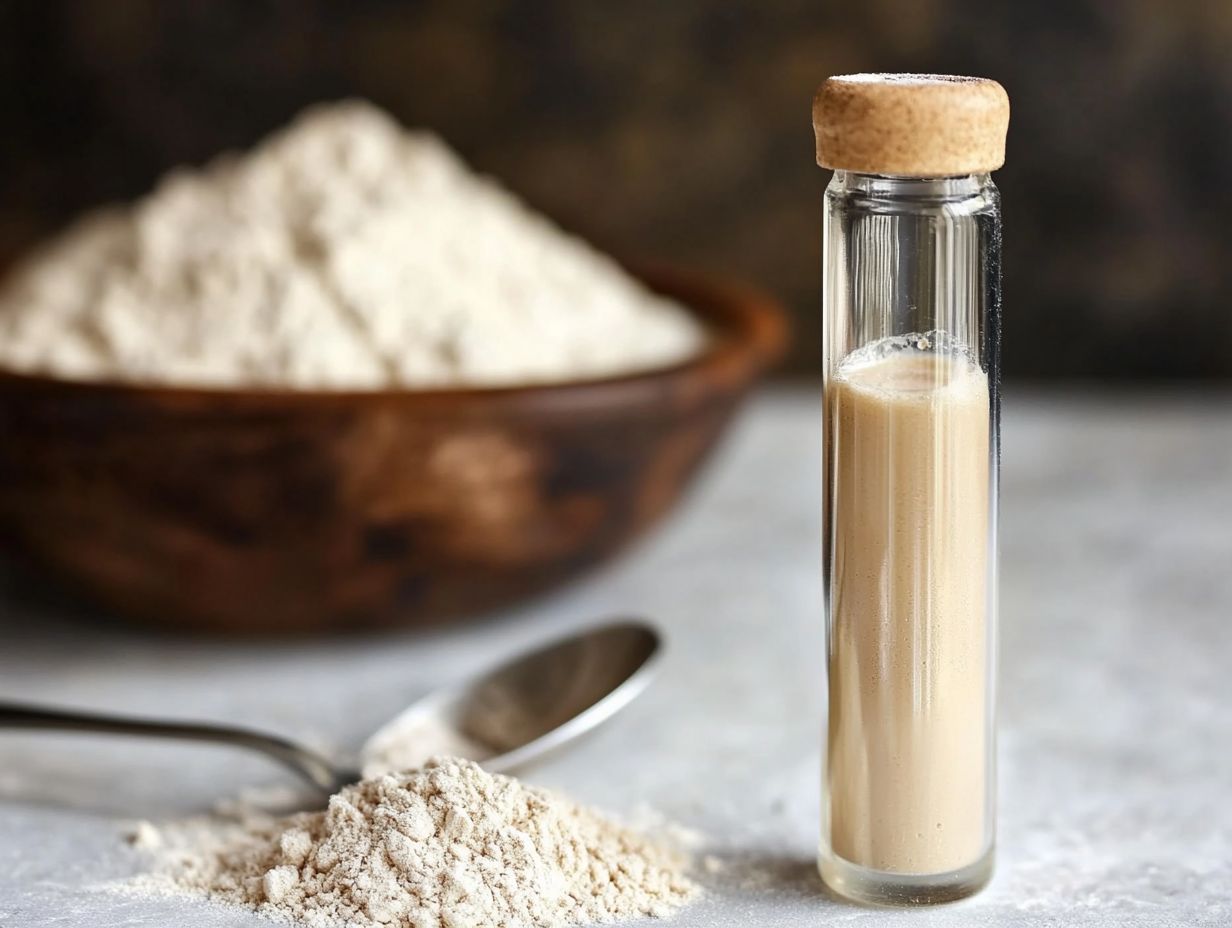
271, 511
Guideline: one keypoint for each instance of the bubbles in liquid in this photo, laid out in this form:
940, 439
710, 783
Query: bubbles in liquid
934, 342
919, 362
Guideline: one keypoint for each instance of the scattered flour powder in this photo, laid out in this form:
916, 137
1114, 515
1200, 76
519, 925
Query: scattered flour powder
344, 252
447, 846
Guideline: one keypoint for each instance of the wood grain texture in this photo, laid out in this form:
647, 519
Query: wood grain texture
247, 511
918, 125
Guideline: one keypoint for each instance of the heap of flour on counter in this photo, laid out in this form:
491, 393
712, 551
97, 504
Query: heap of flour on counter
446, 846
344, 252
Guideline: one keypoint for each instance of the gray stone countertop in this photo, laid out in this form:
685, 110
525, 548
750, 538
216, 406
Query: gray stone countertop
1115, 701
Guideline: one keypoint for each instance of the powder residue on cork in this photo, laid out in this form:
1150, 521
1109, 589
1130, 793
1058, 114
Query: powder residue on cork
446, 846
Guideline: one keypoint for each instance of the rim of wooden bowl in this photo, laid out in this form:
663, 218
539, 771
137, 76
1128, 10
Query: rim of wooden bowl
748, 334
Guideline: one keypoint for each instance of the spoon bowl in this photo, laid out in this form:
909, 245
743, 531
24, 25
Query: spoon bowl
526, 708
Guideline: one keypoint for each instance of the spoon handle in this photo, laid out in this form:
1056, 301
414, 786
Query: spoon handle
307, 764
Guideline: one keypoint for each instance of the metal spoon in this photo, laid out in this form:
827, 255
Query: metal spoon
517, 712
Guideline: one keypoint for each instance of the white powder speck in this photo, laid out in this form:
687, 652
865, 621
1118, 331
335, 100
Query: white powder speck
145, 836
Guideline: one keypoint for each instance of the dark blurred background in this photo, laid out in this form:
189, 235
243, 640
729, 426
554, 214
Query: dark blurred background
680, 130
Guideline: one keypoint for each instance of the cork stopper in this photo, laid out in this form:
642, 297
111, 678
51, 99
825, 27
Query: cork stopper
918, 125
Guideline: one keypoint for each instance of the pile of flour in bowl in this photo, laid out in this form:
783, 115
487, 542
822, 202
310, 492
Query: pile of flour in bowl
344, 252
446, 846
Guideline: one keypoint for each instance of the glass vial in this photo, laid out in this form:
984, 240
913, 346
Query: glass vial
911, 342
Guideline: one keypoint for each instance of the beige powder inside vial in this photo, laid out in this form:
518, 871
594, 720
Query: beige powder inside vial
442, 847
907, 770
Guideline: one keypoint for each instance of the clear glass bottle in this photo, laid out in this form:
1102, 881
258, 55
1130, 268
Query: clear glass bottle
911, 338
